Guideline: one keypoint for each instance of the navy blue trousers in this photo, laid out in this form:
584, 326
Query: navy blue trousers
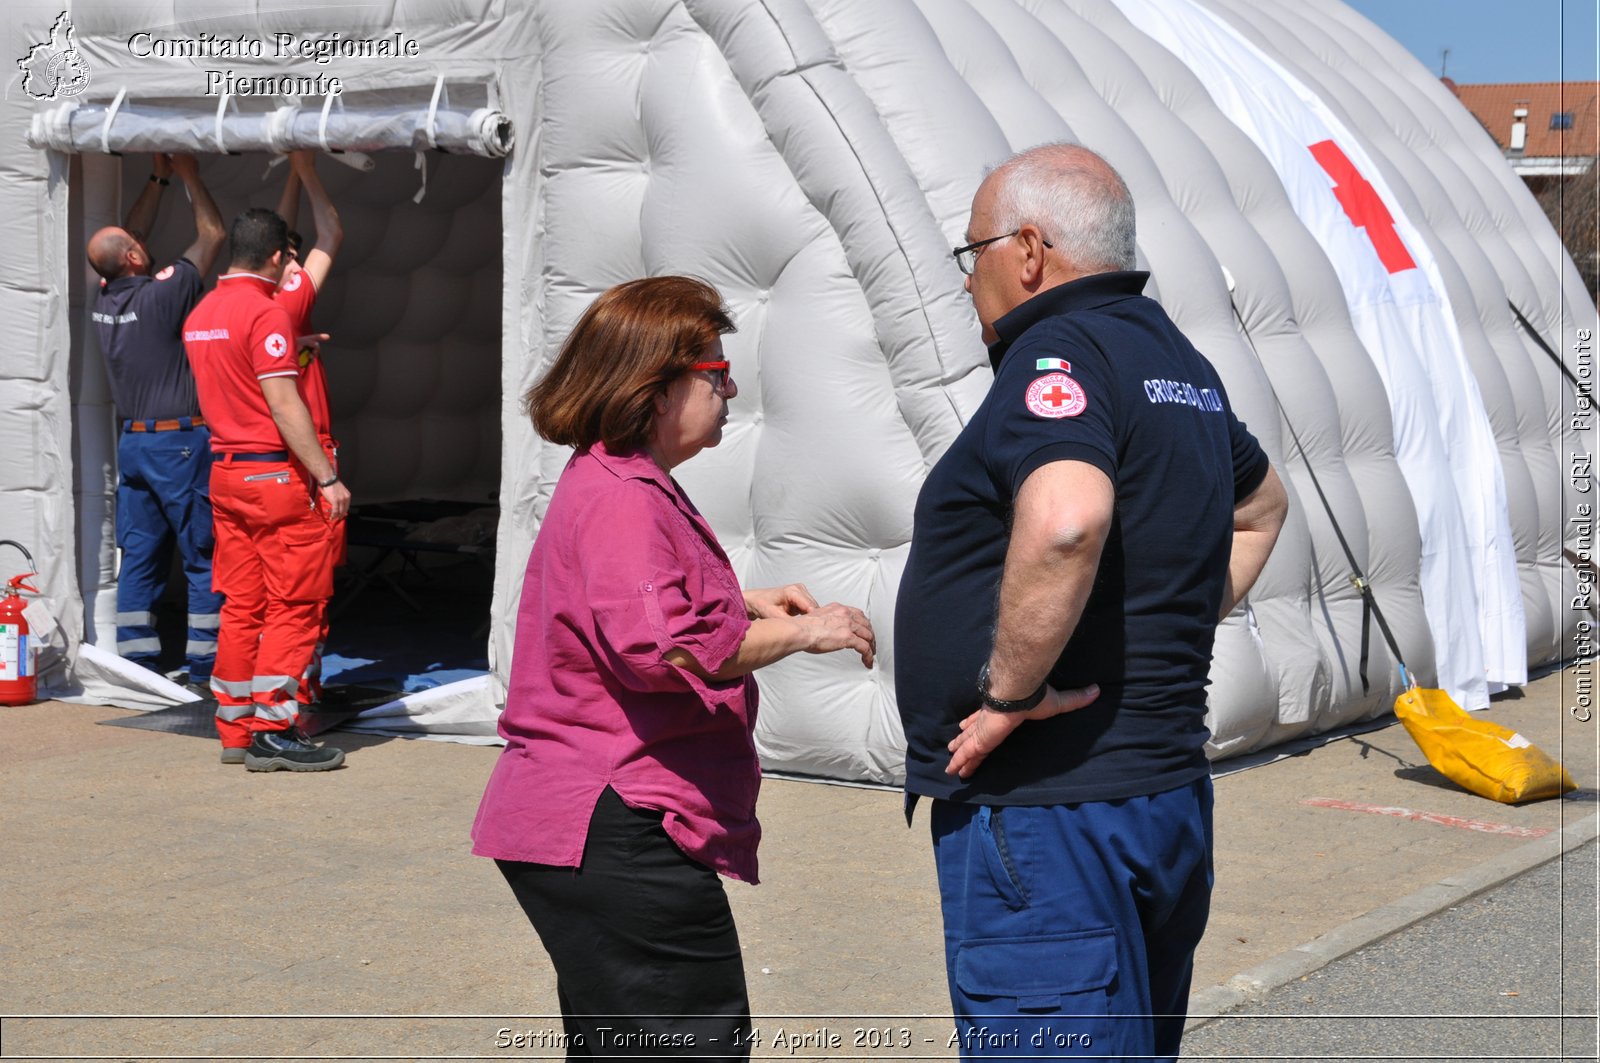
1070, 930
163, 500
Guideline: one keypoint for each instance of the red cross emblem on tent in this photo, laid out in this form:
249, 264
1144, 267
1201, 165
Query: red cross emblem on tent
276, 345
1056, 395
1363, 206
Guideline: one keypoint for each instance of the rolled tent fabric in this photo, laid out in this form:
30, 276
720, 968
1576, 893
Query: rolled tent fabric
122, 127
1442, 435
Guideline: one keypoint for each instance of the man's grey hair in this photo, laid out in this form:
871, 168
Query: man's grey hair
1077, 200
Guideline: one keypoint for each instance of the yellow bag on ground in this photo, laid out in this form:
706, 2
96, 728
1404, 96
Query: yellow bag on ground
1483, 757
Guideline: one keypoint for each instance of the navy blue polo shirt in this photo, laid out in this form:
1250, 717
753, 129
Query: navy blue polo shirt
140, 324
1091, 371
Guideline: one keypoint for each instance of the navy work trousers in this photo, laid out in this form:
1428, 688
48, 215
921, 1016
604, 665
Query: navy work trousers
1070, 930
163, 498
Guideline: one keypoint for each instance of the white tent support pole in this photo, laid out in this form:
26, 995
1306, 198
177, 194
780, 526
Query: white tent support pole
111, 116
433, 111
282, 122
322, 125
429, 133
222, 108
94, 474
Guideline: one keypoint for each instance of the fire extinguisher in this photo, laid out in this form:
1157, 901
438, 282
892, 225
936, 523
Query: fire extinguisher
19, 685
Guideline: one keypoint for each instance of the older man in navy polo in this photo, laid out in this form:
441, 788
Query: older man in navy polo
1073, 552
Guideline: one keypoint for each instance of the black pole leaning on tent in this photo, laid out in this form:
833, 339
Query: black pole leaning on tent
1369, 600
1527, 327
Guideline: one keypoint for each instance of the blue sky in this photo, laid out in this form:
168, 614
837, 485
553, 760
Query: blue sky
1494, 40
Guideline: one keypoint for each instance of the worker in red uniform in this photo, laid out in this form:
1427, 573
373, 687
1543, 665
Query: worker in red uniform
303, 278
276, 497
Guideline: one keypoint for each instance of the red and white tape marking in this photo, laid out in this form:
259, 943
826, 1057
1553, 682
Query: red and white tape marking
1481, 826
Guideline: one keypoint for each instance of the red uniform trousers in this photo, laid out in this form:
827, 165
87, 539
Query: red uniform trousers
273, 561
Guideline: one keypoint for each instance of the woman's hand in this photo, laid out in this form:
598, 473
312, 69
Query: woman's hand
838, 627
983, 731
792, 599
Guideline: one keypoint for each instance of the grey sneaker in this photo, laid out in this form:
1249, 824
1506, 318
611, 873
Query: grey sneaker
289, 750
233, 754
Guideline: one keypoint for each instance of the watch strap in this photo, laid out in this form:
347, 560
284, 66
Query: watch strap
1001, 704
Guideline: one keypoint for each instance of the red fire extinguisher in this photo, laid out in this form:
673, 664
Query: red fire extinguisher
19, 685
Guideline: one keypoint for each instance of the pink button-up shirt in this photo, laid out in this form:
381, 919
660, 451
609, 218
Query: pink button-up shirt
624, 568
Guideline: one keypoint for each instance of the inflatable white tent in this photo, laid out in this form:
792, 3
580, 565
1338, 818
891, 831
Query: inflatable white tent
1320, 215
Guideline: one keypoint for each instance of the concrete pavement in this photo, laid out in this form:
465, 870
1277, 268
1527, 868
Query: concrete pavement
1508, 974
146, 916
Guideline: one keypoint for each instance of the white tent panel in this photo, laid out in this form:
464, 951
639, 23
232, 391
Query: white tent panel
1469, 568
1509, 382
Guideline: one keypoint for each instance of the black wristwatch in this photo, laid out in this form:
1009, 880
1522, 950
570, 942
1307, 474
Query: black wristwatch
1002, 705
329, 482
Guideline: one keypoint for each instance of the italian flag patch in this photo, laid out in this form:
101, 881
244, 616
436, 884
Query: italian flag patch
1053, 363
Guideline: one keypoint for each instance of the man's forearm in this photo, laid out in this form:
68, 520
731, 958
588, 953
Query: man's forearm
142, 215
1042, 596
1058, 530
1256, 524
209, 233
294, 424
1250, 552
330, 233
289, 201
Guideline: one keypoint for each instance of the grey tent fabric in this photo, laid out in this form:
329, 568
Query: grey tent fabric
815, 159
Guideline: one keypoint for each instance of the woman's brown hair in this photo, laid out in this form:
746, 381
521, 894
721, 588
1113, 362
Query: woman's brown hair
624, 351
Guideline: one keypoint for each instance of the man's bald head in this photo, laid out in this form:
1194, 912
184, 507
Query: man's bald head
1077, 200
115, 252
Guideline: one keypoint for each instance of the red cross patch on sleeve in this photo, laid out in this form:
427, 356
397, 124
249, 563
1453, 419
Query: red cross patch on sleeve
1056, 395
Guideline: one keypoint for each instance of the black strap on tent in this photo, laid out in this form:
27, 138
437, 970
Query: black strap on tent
1527, 327
1369, 601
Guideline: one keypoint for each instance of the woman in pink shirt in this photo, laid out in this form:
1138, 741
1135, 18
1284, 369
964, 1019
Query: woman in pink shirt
629, 778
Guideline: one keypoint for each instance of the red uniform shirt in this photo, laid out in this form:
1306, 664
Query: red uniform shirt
237, 337
297, 295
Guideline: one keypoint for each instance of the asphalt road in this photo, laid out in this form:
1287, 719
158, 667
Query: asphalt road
1508, 974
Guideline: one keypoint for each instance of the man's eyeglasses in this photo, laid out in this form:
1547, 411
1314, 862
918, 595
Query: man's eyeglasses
967, 257
720, 374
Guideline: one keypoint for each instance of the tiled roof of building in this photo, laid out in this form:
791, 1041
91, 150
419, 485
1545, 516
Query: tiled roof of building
1548, 133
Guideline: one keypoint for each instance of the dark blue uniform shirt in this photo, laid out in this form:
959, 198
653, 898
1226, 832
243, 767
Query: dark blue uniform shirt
1089, 371
140, 324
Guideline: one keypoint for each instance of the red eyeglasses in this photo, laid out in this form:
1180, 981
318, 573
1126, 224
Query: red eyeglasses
719, 373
